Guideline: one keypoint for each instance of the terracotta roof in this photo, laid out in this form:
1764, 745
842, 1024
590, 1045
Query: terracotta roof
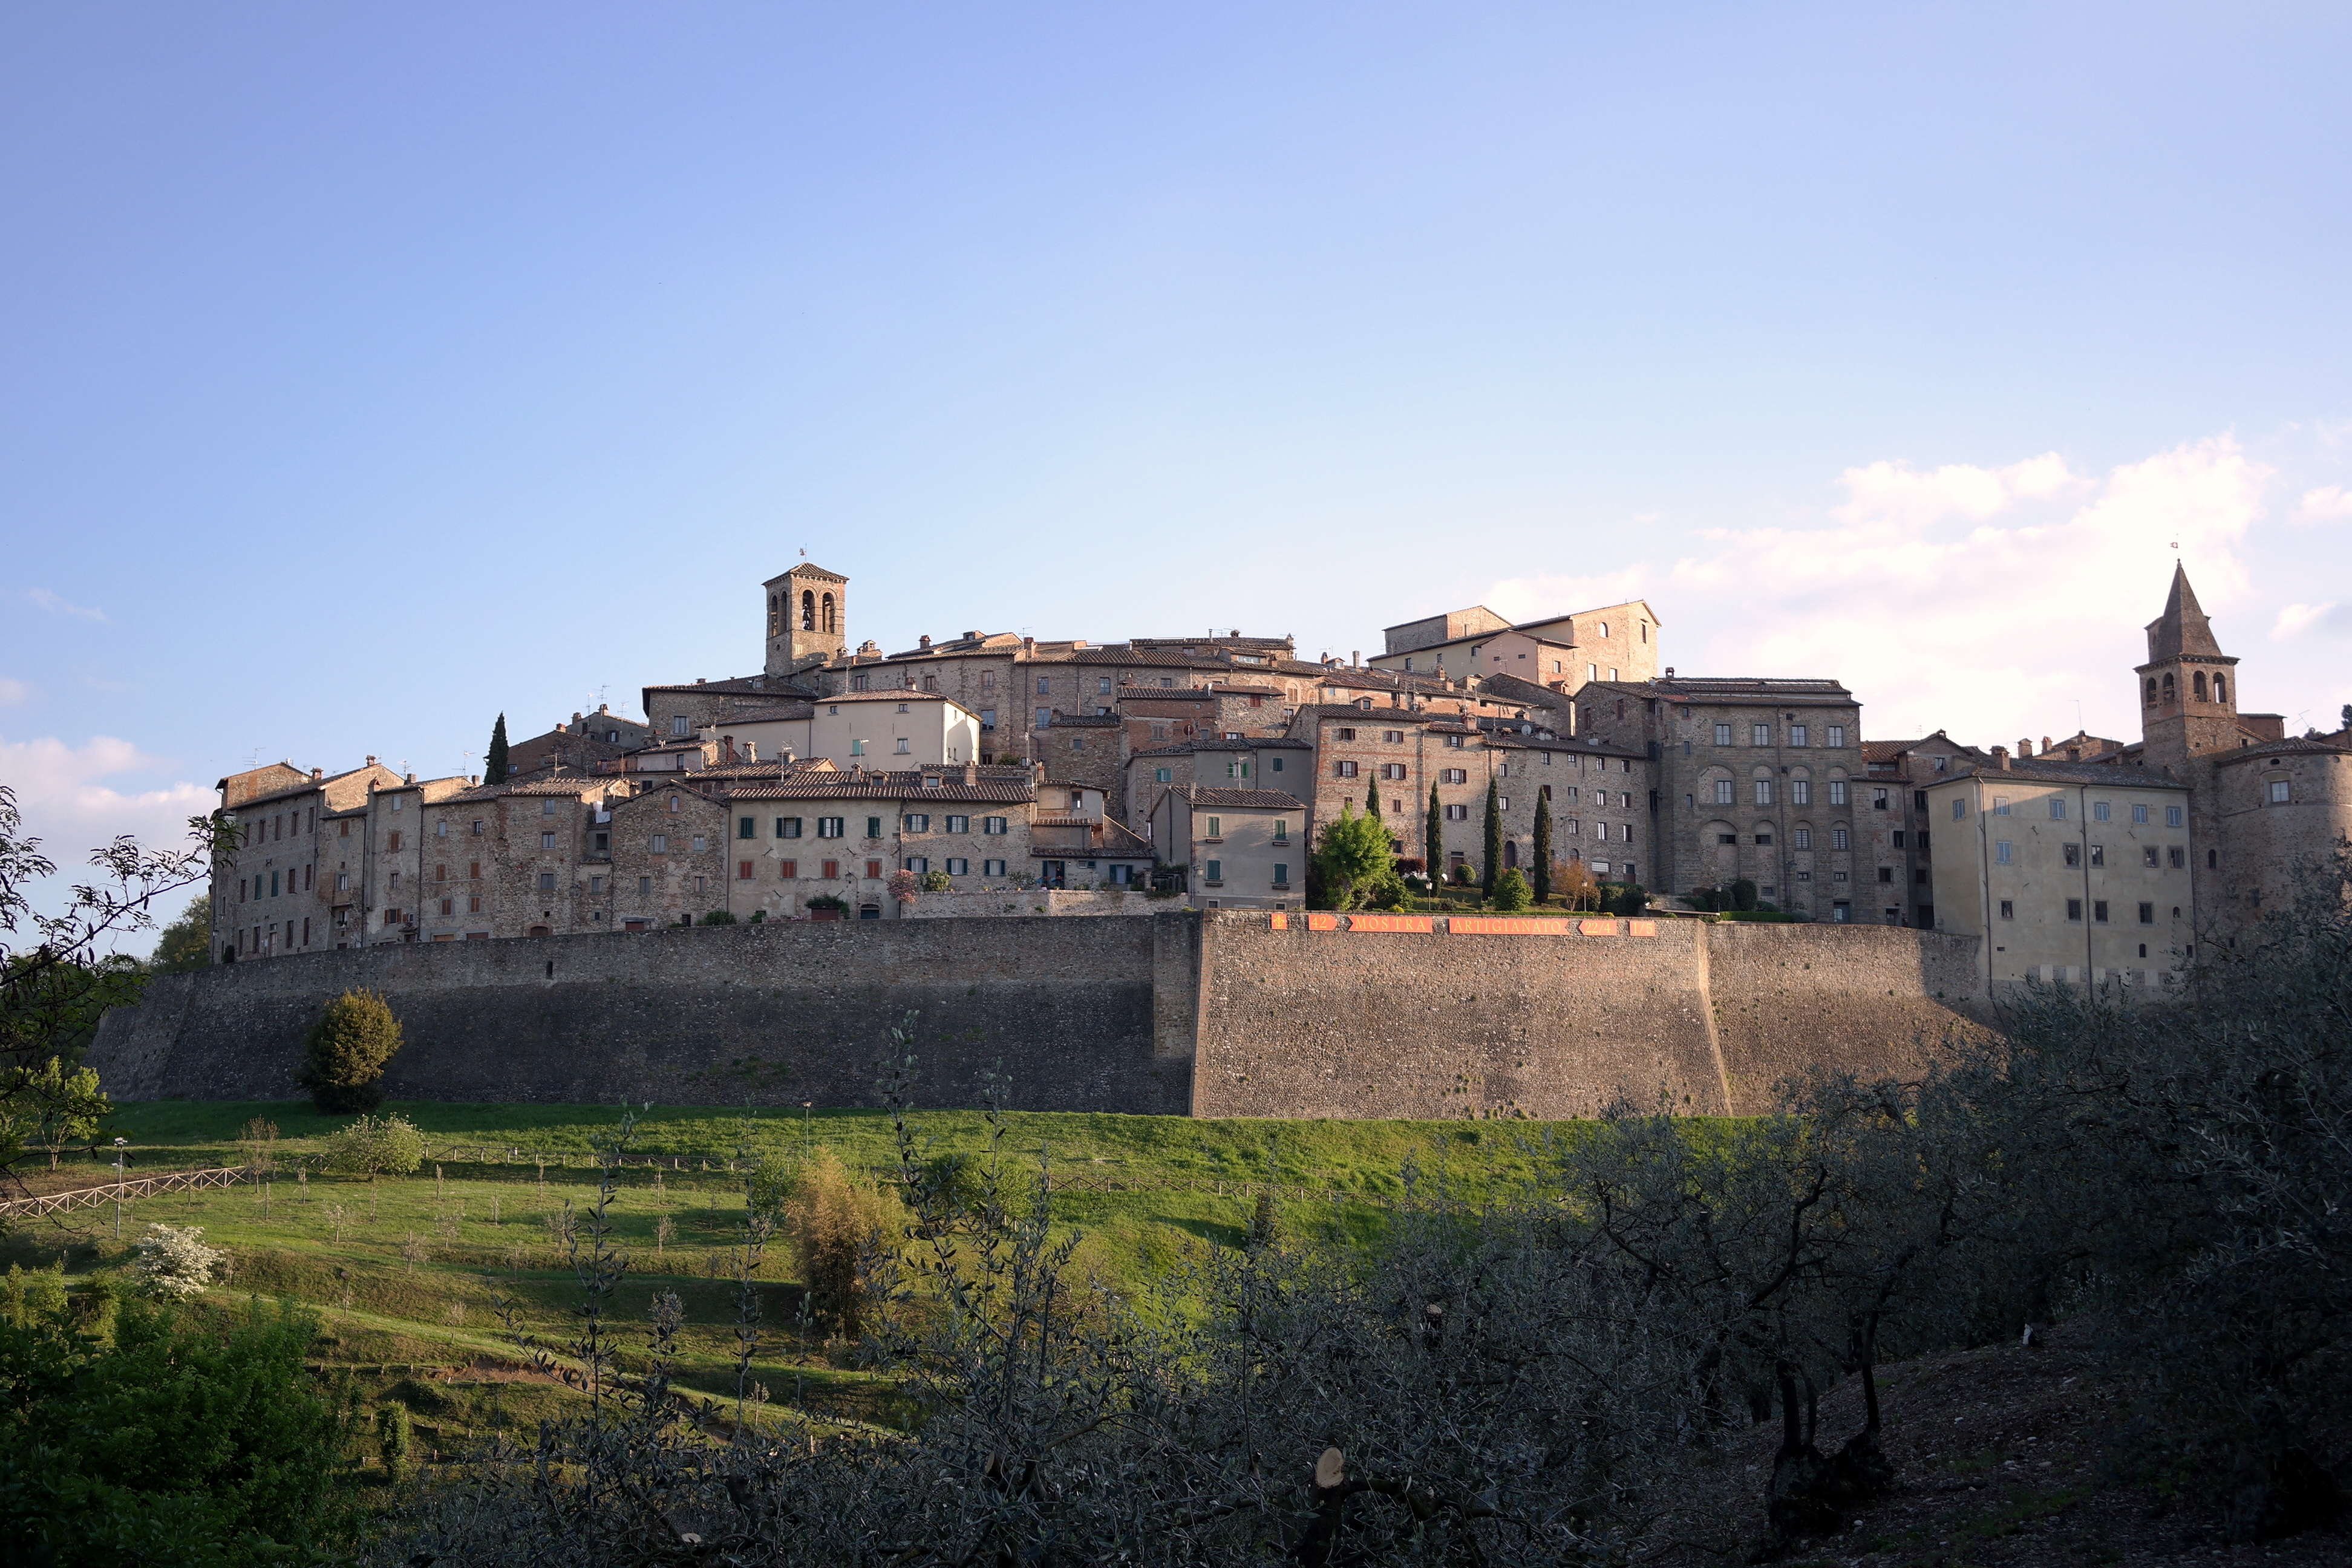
1246, 743
1084, 721
771, 685
2336, 744
573, 784
805, 569
1238, 799
908, 786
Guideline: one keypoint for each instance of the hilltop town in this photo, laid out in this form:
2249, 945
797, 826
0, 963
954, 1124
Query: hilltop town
993, 774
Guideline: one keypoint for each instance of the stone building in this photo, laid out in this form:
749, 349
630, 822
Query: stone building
1756, 778
2070, 871
582, 745
1616, 642
1893, 828
1239, 849
285, 827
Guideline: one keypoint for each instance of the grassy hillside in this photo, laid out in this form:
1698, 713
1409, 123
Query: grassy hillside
406, 1271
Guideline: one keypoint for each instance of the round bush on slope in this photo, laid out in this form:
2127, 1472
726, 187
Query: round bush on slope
344, 1059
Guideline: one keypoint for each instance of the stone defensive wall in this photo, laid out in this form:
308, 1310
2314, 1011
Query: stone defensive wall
1211, 1014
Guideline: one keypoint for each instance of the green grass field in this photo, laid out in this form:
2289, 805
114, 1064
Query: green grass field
404, 1271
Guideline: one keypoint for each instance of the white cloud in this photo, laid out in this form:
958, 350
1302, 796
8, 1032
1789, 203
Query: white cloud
2330, 503
2293, 620
76, 798
59, 606
1981, 600
12, 692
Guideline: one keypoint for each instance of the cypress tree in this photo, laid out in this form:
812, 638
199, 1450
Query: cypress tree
1433, 835
1373, 797
1543, 846
1494, 838
494, 766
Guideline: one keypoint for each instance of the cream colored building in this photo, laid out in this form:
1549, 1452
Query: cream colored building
1614, 642
1240, 849
868, 728
2070, 872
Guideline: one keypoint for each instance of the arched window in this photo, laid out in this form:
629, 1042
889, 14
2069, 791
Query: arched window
808, 611
775, 611
2151, 691
2197, 684
829, 624
2167, 686
1604, 629
1510, 854
2221, 690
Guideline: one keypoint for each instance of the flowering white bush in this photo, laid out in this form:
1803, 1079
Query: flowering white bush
175, 1261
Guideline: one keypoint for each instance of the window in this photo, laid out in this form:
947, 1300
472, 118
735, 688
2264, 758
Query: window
747, 828
547, 841
1502, 802
1886, 873
1163, 775
1837, 792
1878, 800
1837, 735
789, 871
1393, 737
2007, 910
474, 904
1044, 686
1457, 814
2173, 816
829, 827
547, 881
2212, 859
991, 867
1798, 735
1801, 792
1895, 838
1764, 838
1343, 734
1392, 769
917, 863
901, 748
2000, 805
1044, 718
392, 841
2278, 792
1723, 792
831, 869
788, 827
2101, 811
645, 886
659, 844
1216, 827
1102, 685
743, 870
1281, 874
441, 828
2150, 858
958, 824
1236, 769
1282, 830
477, 828
1759, 734
992, 825
342, 881
1840, 839
1722, 734
1802, 838
2099, 911
1213, 871
2000, 852
440, 873
2177, 857
874, 868
2057, 808
1454, 775
2073, 853
700, 843
2147, 914
2098, 854
873, 828
1763, 792
2074, 910
677, 725
676, 802
1343, 770
912, 822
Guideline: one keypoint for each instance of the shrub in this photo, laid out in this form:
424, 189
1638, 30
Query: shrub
1265, 1222
834, 1222
1511, 892
173, 1261
187, 1444
937, 881
376, 1146
758, 917
1740, 894
29, 1299
829, 901
393, 1437
349, 1048
718, 918
1623, 897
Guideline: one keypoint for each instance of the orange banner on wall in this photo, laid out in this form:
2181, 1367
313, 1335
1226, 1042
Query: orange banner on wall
1322, 922
1643, 928
1597, 928
1424, 924
1508, 925
1281, 923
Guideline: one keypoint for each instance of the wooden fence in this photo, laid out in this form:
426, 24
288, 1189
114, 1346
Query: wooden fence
128, 1190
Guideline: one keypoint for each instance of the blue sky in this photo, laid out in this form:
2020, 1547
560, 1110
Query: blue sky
364, 372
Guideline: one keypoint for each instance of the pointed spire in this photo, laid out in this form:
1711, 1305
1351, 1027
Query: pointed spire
2182, 629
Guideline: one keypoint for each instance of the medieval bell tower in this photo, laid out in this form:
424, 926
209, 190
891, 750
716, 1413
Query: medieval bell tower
2189, 699
808, 618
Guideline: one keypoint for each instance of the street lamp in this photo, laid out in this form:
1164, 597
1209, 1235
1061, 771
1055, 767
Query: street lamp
121, 1147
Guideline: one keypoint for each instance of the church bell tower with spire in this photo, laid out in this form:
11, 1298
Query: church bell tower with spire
2189, 687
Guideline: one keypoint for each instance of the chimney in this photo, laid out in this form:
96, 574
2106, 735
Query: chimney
410, 779
1028, 645
2000, 758
370, 759
1355, 657
972, 637
2025, 745
318, 772
923, 641
473, 778
2045, 742
970, 772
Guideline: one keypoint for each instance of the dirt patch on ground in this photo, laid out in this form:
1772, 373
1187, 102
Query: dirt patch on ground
1998, 1458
